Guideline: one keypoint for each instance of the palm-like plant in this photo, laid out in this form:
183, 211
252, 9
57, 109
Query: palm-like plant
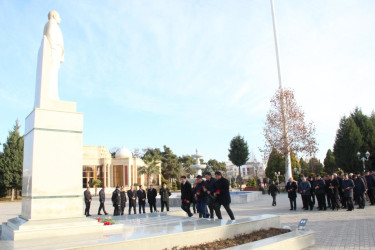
151, 167
95, 183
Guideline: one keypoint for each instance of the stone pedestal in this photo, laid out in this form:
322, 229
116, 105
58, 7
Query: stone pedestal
52, 179
52, 198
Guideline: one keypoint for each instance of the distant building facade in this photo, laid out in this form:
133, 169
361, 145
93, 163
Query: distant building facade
251, 169
122, 170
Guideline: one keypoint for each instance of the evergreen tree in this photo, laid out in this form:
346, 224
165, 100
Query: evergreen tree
330, 162
275, 163
304, 167
348, 142
11, 162
315, 165
238, 152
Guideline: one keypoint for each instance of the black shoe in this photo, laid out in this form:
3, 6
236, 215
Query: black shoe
291, 209
106, 213
99, 214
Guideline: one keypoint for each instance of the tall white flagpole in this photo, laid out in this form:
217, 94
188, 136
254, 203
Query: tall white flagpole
288, 165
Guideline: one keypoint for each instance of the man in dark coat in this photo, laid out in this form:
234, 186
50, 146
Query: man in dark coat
210, 186
102, 201
151, 198
347, 188
333, 188
304, 188
123, 200
360, 190
320, 190
273, 191
312, 191
291, 188
222, 195
141, 199
370, 179
164, 197
327, 182
186, 194
116, 201
132, 195
88, 198
201, 197
341, 193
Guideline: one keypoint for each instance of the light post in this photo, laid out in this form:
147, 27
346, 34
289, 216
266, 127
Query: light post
277, 176
363, 159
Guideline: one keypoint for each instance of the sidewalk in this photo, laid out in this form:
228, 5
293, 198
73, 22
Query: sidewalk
333, 229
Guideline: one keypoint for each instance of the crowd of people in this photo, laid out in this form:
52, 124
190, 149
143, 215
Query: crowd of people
207, 196
331, 191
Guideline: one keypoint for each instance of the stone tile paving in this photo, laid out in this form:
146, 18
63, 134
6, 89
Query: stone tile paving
333, 229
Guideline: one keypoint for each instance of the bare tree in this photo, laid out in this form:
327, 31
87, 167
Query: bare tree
298, 136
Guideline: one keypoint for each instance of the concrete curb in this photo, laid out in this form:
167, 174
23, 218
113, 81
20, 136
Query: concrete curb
294, 240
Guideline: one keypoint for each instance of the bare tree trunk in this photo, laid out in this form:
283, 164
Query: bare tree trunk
12, 194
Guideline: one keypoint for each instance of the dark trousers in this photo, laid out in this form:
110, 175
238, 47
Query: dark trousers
141, 206
361, 200
306, 201
321, 201
211, 207
87, 209
186, 207
164, 203
349, 203
132, 204
312, 200
194, 207
371, 195
329, 199
335, 201
293, 203
273, 200
202, 209
117, 210
122, 209
101, 206
152, 206
227, 208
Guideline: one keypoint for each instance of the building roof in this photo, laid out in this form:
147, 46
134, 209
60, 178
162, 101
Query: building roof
123, 153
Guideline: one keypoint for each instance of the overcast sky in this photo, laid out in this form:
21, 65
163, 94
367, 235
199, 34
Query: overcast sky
192, 74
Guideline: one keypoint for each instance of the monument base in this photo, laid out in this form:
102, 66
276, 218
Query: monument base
19, 229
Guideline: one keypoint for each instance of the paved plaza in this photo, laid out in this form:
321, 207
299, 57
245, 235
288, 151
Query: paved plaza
333, 229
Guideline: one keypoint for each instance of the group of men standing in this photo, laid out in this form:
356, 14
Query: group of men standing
119, 199
212, 193
333, 191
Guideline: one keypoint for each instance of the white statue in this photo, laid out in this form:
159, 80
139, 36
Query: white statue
50, 56
55, 38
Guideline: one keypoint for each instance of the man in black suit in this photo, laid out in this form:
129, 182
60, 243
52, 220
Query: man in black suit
116, 201
141, 199
123, 200
210, 186
88, 199
222, 195
291, 188
320, 192
132, 195
186, 194
151, 198
102, 201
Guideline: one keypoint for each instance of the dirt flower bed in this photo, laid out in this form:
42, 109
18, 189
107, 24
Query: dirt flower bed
237, 240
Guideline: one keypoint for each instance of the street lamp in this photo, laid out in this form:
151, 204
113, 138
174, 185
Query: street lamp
363, 159
277, 176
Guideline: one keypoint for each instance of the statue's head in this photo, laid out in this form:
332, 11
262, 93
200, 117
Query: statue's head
53, 14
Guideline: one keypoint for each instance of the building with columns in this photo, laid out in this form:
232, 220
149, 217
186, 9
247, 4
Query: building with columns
122, 170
